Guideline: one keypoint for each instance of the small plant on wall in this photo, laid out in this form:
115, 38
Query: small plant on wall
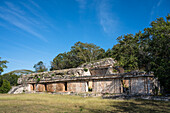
38, 80
52, 75
85, 69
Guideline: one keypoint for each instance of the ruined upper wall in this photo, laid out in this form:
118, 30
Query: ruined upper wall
106, 62
99, 67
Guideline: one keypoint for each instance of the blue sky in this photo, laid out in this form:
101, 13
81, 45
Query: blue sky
38, 30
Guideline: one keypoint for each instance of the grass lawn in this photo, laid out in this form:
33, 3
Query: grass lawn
49, 103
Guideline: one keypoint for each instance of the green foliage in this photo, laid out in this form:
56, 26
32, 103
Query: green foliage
38, 80
79, 54
2, 65
85, 69
148, 50
52, 75
125, 52
156, 41
40, 67
12, 78
5, 86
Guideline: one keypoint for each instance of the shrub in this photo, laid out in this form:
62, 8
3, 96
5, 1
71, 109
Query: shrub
38, 79
52, 75
85, 69
5, 86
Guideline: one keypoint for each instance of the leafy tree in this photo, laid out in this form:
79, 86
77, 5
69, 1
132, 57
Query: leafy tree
79, 54
5, 86
109, 53
148, 50
125, 52
87, 52
40, 67
2, 65
156, 44
12, 78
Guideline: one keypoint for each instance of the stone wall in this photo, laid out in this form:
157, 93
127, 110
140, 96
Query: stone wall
55, 87
78, 86
40, 87
140, 85
121, 83
107, 86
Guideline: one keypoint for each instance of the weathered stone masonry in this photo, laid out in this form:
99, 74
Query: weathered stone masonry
98, 79
137, 84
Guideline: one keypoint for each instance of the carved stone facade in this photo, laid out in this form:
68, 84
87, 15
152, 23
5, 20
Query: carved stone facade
96, 79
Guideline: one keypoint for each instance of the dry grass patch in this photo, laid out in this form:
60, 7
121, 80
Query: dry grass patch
48, 103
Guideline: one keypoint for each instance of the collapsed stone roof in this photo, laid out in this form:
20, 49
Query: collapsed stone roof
106, 62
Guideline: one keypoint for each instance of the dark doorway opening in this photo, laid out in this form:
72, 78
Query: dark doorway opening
33, 87
45, 87
65, 84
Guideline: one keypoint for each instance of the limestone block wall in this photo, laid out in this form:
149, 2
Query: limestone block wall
30, 87
78, 86
141, 85
55, 87
107, 86
40, 87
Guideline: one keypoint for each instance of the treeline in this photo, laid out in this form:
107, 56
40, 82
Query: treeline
147, 50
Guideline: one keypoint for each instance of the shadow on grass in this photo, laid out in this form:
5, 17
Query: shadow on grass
139, 106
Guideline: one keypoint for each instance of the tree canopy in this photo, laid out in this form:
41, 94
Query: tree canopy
2, 65
40, 67
80, 53
148, 50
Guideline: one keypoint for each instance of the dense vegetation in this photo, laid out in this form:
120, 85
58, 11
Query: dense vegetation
147, 50
5, 87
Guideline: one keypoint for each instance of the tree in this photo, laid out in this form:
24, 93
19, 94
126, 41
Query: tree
125, 52
148, 50
12, 78
156, 44
87, 52
79, 54
5, 86
2, 65
40, 67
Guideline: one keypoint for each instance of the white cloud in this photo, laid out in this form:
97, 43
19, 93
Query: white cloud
154, 9
107, 20
20, 19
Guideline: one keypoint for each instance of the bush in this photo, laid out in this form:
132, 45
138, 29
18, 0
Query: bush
38, 80
85, 69
5, 86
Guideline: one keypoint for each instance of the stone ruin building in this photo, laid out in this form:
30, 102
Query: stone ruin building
98, 77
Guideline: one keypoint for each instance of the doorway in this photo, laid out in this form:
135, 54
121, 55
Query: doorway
65, 84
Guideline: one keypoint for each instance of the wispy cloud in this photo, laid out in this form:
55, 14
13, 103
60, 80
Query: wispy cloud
20, 19
154, 8
36, 5
82, 3
107, 20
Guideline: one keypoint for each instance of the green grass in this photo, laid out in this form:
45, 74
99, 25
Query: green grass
49, 103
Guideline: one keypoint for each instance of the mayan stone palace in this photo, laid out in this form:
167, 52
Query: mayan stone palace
98, 77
